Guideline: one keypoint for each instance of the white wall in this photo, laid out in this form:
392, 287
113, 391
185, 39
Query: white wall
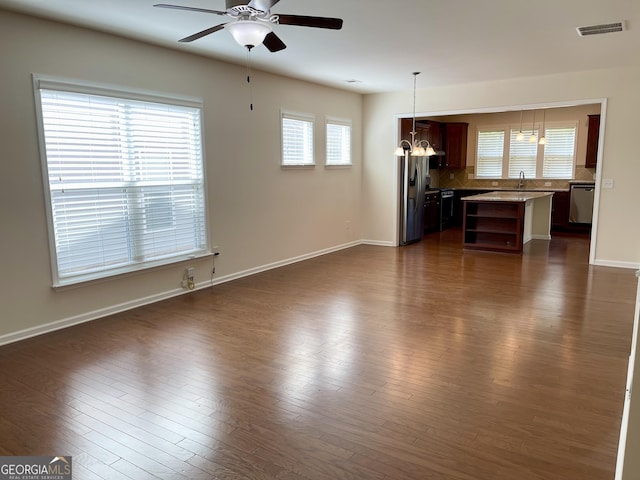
618, 235
259, 214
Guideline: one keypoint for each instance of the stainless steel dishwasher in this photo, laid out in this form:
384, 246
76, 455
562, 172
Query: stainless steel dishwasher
581, 206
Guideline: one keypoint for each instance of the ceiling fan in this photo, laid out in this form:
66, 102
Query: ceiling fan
252, 22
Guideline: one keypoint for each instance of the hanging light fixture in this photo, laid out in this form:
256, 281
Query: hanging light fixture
543, 138
533, 138
415, 148
520, 135
248, 33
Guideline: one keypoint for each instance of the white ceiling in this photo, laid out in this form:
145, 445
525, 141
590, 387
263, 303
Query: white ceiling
384, 41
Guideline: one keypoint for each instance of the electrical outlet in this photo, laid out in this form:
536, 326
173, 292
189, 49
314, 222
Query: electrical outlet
547, 184
494, 184
188, 278
451, 176
607, 183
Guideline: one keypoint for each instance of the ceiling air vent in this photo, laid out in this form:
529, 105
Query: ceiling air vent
601, 29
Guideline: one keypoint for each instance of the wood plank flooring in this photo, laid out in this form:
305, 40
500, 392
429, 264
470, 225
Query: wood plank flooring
421, 362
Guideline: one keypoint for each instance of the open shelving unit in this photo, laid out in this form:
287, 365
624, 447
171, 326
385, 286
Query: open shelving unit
496, 226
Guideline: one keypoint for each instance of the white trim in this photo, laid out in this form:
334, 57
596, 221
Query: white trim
596, 198
379, 243
103, 312
626, 410
282, 263
616, 264
94, 315
540, 237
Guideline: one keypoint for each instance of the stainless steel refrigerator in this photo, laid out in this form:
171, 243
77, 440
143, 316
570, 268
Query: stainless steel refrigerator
414, 180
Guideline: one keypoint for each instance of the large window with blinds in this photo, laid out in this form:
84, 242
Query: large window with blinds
490, 153
523, 154
124, 179
559, 152
501, 155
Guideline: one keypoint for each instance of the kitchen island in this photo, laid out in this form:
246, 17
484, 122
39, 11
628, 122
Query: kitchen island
505, 221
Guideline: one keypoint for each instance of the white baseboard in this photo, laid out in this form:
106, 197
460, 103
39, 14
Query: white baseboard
94, 315
103, 312
540, 237
378, 243
616, 264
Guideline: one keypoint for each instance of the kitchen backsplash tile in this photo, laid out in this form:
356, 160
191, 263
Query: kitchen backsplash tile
461, 179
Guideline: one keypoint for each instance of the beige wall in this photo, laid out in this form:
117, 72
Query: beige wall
259, 214
618, 234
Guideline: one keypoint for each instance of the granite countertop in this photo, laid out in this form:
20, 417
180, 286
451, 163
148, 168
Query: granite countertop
512, 189
507, 196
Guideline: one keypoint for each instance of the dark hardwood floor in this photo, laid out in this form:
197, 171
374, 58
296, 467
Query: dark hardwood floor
421, 362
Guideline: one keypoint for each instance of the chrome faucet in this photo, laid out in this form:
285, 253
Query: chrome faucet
521, 180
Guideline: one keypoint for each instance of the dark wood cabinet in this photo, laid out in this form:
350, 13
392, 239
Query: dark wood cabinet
496, 226
431, 212
430, 131
593, 134
560, 211
448, 137
455, 144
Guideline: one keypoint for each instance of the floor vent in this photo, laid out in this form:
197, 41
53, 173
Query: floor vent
601, 29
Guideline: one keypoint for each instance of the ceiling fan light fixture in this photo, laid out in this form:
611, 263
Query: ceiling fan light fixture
248, 33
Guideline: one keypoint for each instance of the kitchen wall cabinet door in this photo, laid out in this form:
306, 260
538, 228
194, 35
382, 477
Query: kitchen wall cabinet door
455, 144
430, 131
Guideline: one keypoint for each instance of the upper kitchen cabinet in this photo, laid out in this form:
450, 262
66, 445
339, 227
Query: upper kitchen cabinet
455, 144
430, 131
591, 159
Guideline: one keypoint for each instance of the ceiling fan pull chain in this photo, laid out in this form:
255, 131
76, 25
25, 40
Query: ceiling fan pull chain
249, 78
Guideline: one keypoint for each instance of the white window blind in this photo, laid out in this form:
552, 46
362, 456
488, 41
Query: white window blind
338, 142
559, 152
297, 139
490, 153
125, 182
523, 154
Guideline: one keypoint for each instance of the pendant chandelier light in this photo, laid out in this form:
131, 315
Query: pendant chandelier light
543, 138
415, 148
520, 135
532, 138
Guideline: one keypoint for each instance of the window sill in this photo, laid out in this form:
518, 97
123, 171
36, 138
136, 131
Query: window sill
99, 277
298, 167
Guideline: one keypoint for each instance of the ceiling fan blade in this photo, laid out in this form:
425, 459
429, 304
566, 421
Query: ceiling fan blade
201, 34
273, 43
317, 22
191, 9
263, 5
